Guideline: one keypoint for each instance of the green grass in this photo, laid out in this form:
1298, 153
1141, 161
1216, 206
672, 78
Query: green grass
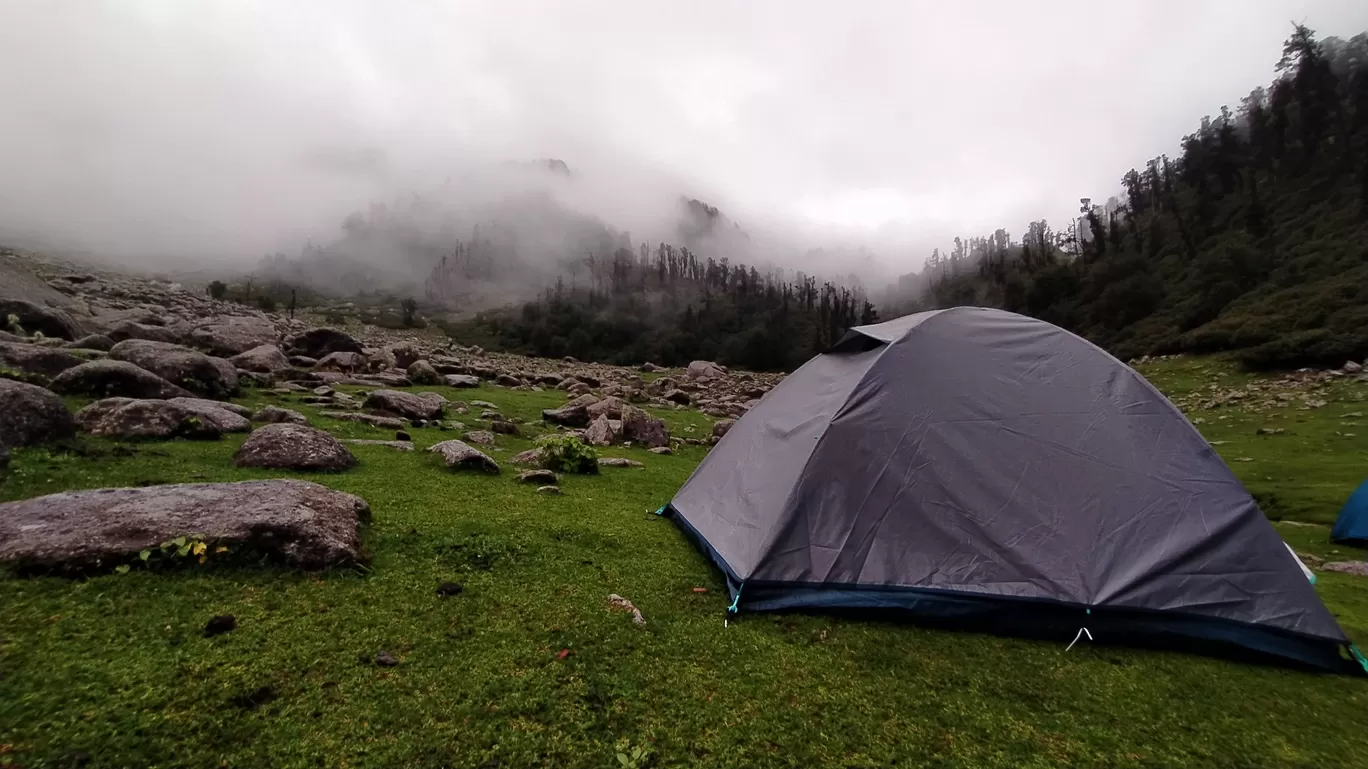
115, 667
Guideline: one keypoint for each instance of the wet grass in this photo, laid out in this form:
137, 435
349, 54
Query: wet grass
114, 671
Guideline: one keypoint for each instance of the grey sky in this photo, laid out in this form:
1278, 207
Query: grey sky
164, 124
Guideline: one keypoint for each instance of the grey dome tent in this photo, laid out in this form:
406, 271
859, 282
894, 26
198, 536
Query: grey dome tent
978, 466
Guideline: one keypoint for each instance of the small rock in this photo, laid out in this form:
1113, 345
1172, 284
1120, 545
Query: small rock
553, 491
543, 477
663, 450
402, 436
479, 437
721, 427
504, 427
388, 423
460, 455
386, 660
449, 589
223, 623
618, 462
399, 445
529, 457
484, 405
323, 391
1357, 568
461, 380
273, 414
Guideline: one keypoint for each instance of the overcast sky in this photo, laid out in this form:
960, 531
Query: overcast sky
186, 120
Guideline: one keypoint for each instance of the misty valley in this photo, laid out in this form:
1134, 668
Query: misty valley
520, 387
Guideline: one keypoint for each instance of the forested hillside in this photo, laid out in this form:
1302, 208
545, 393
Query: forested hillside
1254, 239
669, 306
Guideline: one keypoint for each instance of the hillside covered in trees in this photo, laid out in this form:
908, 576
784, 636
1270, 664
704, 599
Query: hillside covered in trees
670, 306
1254, 239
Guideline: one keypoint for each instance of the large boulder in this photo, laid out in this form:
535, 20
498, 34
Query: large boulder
30, 414
132, 330
227, 336
293, 447
264, 358
600, 432
406, 354
104, 378
345, 362
379, 359
32, 317
295, 522
318, 342
610, 407
703, 369
420, 372
678, 396
459, 455
573, 414
36, 359
147, 418
225, 417
92, 342
191, 369
640, 427
407, 405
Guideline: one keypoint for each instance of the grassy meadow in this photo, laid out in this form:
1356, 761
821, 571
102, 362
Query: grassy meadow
528, 666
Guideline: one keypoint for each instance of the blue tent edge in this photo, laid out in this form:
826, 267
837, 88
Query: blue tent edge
1011, 615
1351, 526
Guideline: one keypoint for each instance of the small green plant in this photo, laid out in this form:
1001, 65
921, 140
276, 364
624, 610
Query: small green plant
177, 550
567, 454
12, 324
632, 756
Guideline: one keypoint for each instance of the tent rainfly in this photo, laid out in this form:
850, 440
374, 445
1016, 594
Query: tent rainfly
979, 467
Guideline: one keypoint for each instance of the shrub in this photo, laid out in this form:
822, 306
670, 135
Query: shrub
567, 454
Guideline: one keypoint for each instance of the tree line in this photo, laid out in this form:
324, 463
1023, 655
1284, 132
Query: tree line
669, 306
1253, 240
